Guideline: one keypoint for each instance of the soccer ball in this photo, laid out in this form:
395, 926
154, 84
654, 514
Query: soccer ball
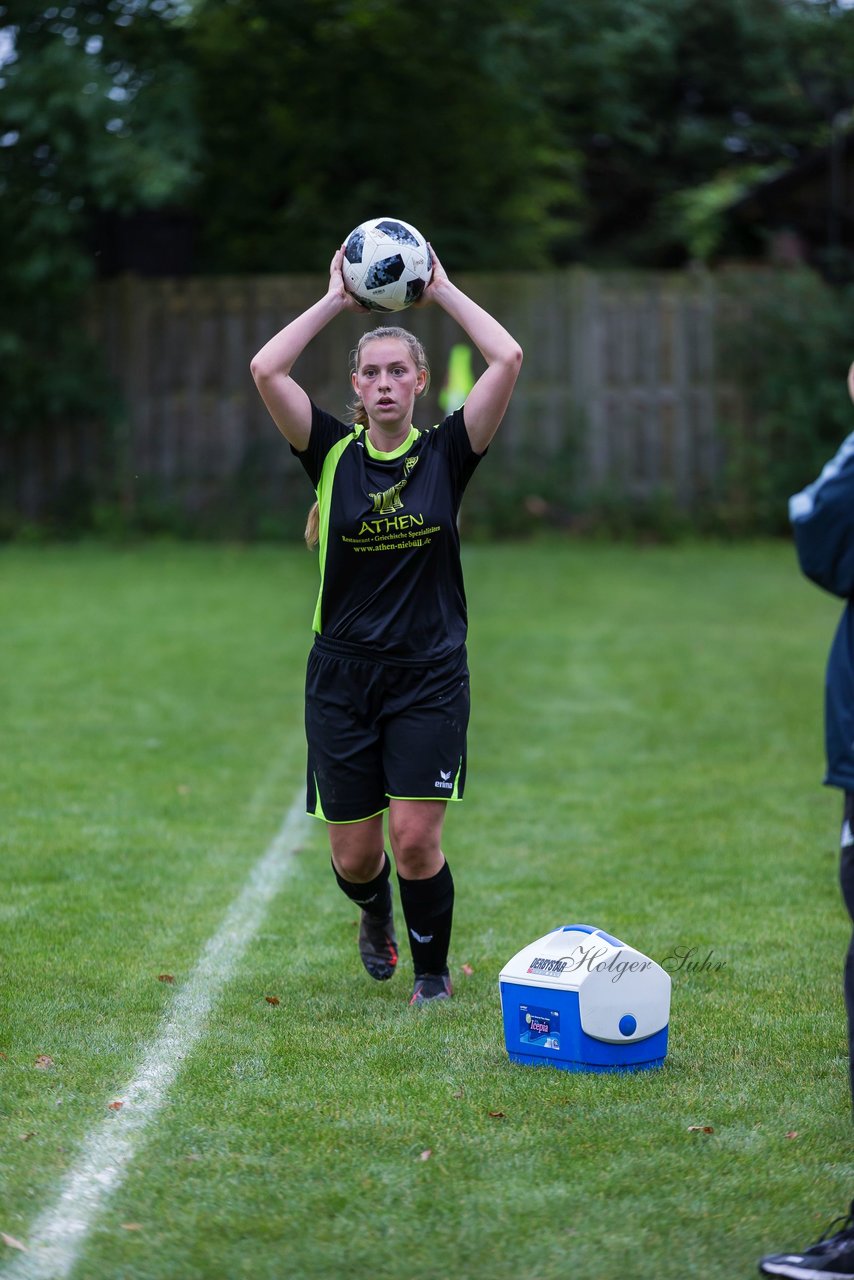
387, 264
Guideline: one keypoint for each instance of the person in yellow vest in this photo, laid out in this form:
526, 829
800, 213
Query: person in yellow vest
459, 381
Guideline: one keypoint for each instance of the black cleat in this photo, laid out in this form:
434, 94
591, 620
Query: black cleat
431, 986
378, 946
831, 1258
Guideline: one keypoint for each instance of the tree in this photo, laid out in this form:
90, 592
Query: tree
662, 97
97, 115
518, 134
317, 115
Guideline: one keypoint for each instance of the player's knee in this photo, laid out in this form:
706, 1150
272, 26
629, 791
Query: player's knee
357, 852
355, 867
416, 851
415, 864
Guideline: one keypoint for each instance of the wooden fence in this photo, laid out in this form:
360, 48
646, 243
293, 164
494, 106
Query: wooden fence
620, 369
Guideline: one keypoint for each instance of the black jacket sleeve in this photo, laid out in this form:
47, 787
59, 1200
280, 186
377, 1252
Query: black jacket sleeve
822, 517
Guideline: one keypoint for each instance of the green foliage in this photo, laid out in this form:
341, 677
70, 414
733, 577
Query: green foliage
697, 215
253, 505
522, 134
517, 493
662, 96
511, 133
786, 340
97, 116
517, 135
364, 107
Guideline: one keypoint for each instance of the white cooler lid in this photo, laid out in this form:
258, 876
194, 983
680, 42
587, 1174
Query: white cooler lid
623, 995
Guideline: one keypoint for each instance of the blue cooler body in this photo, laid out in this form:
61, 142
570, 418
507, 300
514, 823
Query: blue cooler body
581, 1000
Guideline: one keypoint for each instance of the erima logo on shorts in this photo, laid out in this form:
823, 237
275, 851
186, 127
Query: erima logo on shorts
445, 782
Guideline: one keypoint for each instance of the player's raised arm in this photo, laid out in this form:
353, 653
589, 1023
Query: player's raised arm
488, 399
289, 405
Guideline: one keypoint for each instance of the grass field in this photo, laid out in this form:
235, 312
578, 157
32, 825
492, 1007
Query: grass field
645, 755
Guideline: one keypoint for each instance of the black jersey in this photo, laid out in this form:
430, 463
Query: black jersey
390, 573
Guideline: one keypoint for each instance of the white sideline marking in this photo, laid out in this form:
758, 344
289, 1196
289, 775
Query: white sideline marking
60, 1231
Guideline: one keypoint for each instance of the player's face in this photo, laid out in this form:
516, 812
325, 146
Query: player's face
387, 382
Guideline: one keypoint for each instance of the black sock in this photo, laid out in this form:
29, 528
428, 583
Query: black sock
374, 897
428, 908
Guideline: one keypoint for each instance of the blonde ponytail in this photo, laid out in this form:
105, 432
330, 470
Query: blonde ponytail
312, 527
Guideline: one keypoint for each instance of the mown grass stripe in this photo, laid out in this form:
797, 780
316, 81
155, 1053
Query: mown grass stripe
61, 1230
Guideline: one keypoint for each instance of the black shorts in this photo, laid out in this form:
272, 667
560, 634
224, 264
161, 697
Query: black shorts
380, 731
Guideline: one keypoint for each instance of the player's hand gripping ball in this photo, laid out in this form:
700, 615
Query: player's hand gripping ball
387, 264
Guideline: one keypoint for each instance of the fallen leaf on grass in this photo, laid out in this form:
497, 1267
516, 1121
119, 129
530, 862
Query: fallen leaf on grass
793, 1133
165, 977
497, 1115
272, 1000
468, 970
115, 1106
44, 1062
12, 1242
700, 1128
131, 1226
425, 1155
25, 1137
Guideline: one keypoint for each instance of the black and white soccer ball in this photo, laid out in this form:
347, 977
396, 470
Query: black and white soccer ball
387, 264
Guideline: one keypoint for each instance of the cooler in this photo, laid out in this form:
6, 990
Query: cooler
581, 1000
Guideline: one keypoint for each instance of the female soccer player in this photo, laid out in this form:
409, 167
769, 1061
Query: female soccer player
387, 685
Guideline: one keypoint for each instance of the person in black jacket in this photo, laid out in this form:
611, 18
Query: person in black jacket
822, 518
